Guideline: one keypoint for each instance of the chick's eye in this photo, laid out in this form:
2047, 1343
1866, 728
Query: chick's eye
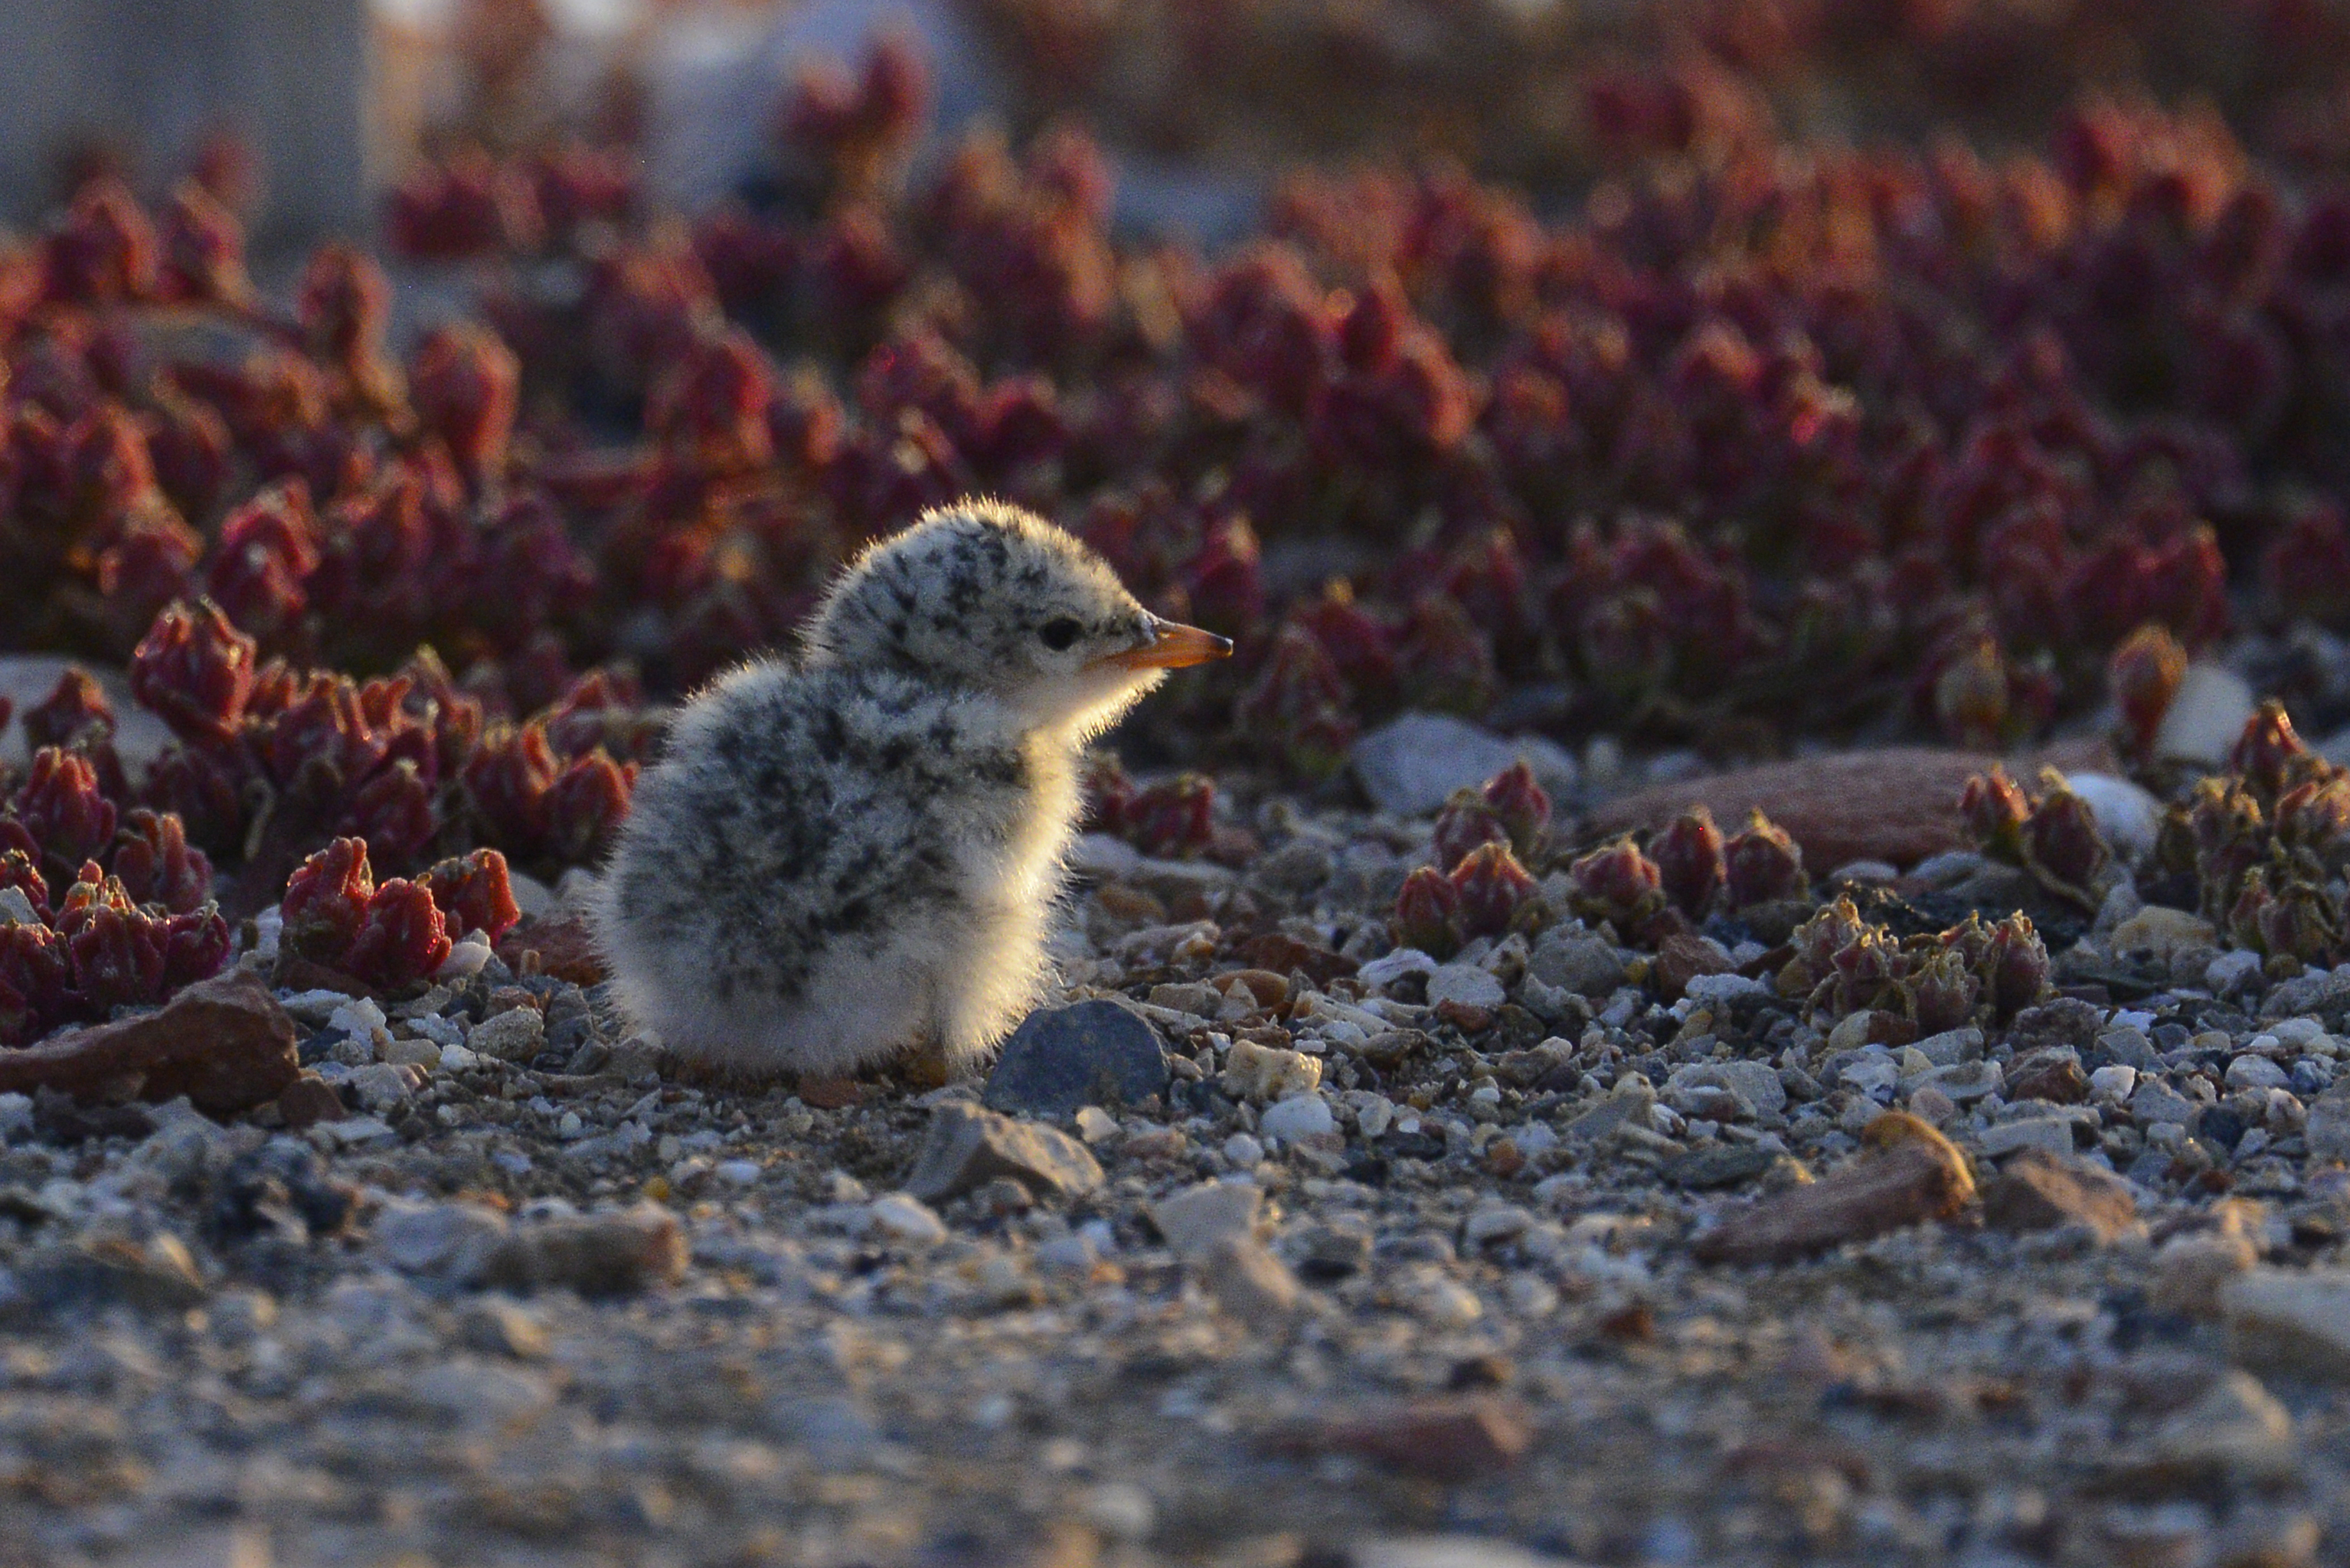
1058, 633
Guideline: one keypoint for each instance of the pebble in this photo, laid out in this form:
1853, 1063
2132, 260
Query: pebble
2291, 1322
1921, 1177
1298, 1118
516, 1035
968, 1146
1412, 766
1088, 1053
2206, 716
1195, 1218
1268, 1072
1247, 1279
2040, 1190
1466, 985
902, 1217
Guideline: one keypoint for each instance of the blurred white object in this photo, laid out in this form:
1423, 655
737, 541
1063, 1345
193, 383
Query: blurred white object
2206, 717
2127, 816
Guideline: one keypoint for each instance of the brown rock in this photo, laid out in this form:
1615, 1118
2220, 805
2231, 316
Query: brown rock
1910, 1173
1899, 803
1681, 960
2054, 1076
1281, 953
309, 1100
2037, 1190
612, 1254
565, 948
223, 1043
830, 1094
1441, 1440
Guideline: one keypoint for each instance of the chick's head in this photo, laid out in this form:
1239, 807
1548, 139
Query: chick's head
985, 596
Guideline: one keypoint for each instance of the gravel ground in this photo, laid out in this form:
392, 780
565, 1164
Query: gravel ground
1399, 1267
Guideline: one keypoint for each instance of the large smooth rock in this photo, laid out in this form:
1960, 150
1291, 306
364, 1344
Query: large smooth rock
1087, 1054
223, 1043
1902, 1183
1411, 766
1895, 803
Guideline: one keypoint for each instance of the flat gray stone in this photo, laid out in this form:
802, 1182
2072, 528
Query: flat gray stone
1087, 1054
968, 1147
1411, 766
1579, 962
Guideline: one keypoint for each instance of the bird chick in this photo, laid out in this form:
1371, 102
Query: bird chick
840, 860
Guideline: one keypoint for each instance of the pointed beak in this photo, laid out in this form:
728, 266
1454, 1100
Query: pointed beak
1171, 646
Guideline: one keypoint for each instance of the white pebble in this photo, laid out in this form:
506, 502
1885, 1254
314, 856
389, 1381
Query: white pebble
1096, 1124
457, 1059
467, 958
904, 1217
1298, 1116
2112, 1085
1245, 1151
738, 1173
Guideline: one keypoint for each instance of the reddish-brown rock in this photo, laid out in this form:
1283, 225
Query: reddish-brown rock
1442, 1440
309, 1100
1680, 959
564, 947
1912, 1174
1899, 803
223, 1043
2037, 1191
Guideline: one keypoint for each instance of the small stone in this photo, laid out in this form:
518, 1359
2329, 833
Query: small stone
2038, 1191
497, 1326
1495, 1222
2112, 1085
309, 1100
516, 1035
1681, 960
1263, 1073
620, 1252
413, 1053
1095, 1125
967, 1146
1410, 766
2191, 1270
1088, 1053
2154, 1102
1465, 985
223, 1043
1952, 1046
1195, 1218
2230, 971
738, 1173
1629, 1105
1335, 1250
2047, 1135
2249, 1072
1575, 962
2206, 716
380, 1085
1702, 1170
1914, 1175
1244, 1151
2237, 1428
2328, 1128
2290, 1322
1247, 1279
1298, 1118
2157, 932
442, 1240
1440, 1439
902, 1217
158, 1275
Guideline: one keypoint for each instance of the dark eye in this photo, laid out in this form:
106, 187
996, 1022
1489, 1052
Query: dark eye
1059, 632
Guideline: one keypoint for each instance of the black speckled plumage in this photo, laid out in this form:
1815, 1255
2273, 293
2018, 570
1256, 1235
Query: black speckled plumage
843, 859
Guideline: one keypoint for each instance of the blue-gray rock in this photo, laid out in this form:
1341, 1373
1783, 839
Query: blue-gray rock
1087, 1054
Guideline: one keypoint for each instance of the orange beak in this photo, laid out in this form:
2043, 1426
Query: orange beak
1173, 647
